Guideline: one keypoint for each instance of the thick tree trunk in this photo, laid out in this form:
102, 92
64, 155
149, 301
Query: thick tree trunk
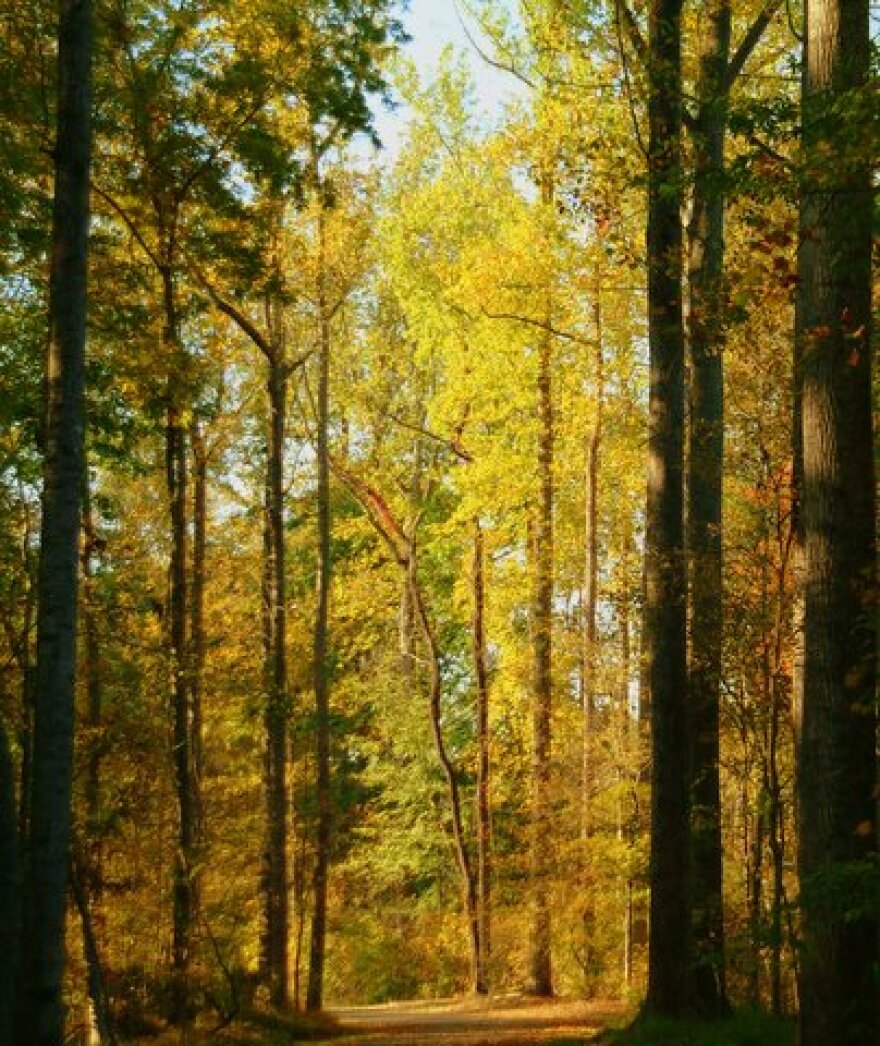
706, 459
837, 744
276, 914
41, 1015
318, 947
484, 824
665, 617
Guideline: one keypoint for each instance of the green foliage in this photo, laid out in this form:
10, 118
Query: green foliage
744, 1028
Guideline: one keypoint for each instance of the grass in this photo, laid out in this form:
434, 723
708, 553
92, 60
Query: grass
743, 1028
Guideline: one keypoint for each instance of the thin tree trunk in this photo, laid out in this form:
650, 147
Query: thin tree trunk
755, 873
41, 1014
631, 742
403, 548
484, 824
462, 857
97, 983
705, 278
198, 639
276, 913
777, 853
589, 647
665, 617
91, 875
837, 747
9, 909
183, 913
317, 951
540, 942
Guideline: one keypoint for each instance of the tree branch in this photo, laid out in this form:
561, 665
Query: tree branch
748, 43
541, 324
129, 222
487, 58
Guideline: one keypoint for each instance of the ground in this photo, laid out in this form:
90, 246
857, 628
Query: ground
474, 1022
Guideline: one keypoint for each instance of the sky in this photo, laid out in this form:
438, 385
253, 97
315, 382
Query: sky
432, 25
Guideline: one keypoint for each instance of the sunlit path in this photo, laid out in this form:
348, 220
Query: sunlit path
474, 1022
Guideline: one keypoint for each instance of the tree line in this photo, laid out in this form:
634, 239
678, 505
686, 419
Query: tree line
346, 651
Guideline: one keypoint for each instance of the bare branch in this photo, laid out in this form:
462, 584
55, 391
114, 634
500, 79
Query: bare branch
229, 309
487, 58
542, 325
633, 31
451, 444
129, 222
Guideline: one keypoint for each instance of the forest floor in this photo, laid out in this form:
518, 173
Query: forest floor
470, 1022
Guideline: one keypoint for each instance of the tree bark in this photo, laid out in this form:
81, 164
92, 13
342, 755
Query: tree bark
41, 1014
705, 470
665, 616
317, 951
482, 981
540, 941
837, 744
198, 637
589, 647
462, 856
176, 481
89, 879
9, 900
100, 1003
276, 909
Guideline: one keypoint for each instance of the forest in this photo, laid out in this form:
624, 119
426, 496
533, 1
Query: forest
447, 570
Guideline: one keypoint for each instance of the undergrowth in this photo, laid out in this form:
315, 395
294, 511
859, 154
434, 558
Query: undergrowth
743, 1028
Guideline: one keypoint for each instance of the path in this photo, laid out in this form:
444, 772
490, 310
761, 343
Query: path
503, 1022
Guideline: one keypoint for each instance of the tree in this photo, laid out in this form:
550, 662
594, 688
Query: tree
665, 609
837, 716
40, 1018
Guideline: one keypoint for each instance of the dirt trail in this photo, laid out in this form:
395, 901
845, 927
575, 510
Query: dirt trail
501, 1022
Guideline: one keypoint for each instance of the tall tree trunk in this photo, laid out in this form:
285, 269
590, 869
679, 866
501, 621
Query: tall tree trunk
706, 459
589, 647
754, 878
484, 824
315, 989
462, 856
276, 913
631, 742
403, 548
176, 480
8, 889
100, 1029
41, 1015
89, 878
665, 617
837, 744
198, 638
540, 970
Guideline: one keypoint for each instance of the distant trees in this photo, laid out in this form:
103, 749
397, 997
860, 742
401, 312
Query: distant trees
404, 752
